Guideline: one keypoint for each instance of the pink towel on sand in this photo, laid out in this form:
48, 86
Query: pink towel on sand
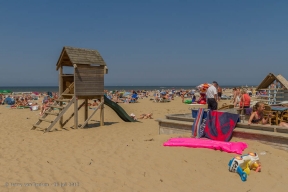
230, 147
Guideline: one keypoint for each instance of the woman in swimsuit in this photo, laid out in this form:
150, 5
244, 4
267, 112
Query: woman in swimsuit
257, 116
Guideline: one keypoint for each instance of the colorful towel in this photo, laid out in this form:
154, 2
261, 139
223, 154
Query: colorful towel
197, 123
201, 129
230, 147
220, 125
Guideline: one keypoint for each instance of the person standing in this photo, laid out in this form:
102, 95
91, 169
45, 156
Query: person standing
212, 96
244, 100
219, 89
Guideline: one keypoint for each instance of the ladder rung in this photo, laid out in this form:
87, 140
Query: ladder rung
55, 106
62, 100
37, 126
51, 113
67, 94
46, 120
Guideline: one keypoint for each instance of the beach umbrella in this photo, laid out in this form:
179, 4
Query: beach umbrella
36, 93
5, 91
203, 87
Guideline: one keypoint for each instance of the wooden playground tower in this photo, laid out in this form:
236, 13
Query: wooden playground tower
87, 82
276, 87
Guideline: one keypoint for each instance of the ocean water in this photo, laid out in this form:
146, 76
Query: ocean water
110, 88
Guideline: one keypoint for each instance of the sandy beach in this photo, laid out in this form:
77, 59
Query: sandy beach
123, 156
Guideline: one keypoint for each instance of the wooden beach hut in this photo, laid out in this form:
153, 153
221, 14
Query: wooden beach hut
276, 87
86, 82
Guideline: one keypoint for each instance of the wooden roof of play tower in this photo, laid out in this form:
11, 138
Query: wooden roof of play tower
71, 55
270, 78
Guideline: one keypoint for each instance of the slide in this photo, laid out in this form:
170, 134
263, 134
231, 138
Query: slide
119, 110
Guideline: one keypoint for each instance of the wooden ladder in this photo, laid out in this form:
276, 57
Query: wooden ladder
56, 105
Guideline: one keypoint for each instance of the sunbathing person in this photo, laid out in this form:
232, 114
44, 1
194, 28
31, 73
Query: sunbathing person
283, 124
116, 100
257, 117
166, 96
146, 116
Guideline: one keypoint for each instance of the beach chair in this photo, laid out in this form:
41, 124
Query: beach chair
134, 98
284, 117
271, 115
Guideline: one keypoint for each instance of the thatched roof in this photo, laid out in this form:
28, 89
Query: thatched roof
270, 78
71, 55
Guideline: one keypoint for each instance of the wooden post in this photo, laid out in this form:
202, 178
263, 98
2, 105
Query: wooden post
269, 95
60, 92
102, 112
86, 110
75, 113
60, 80
61, 118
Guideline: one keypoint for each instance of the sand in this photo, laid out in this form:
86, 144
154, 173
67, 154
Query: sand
123, 157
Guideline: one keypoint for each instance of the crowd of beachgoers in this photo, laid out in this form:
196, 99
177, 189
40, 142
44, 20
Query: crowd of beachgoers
32, 98
42, 101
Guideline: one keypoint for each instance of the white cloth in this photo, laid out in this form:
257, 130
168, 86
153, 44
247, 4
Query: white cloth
211, 91
35, 107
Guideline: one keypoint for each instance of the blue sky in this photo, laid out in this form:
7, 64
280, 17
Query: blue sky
151, 42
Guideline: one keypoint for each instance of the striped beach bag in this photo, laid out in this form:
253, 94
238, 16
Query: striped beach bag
196, 131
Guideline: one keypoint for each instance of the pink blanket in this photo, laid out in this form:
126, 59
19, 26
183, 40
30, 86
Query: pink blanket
230, 147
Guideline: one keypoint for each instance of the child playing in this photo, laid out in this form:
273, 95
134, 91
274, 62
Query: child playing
257, 116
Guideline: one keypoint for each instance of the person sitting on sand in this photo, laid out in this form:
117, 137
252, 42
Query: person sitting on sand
95, 103
257, 117
116, 99
50, 101
44, 107
201, 100
17, 104
24, 102
127, 100
133, 116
